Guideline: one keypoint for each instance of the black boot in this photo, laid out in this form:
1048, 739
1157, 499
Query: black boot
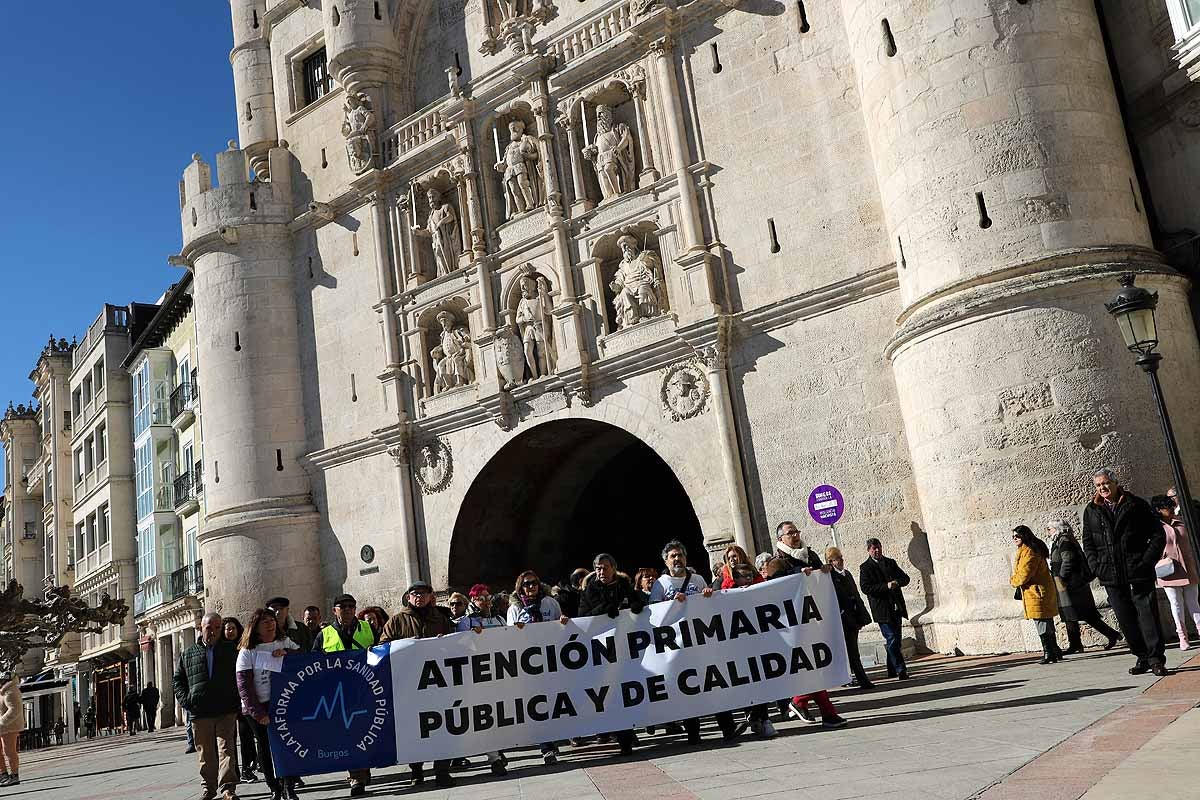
1074, 640
1049, 648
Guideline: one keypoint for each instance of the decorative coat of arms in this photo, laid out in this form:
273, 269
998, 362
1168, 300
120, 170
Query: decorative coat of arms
510, 358
434, 466
684, 391
359, 130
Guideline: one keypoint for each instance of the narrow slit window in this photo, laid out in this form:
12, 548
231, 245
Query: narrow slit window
253, 203
378, 13
254, 19
216, 472
324, 161
237, 342
903, 261
803, 14
775, 248
354, 241
1137, 206
353, 389
985, 221
889, 41
279, 461
716, 59
249, 111
337, 17
457, 64
310, 269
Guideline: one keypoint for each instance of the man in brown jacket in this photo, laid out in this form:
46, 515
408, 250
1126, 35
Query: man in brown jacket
421, 618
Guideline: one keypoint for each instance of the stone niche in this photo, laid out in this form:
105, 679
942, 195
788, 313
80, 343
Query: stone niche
513, 163
629, 270
441, 228
610, 149
527, 344
448, 353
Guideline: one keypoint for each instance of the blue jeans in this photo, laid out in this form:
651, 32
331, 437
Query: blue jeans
891, 641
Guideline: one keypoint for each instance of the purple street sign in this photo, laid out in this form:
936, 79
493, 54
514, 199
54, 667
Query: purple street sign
826, 505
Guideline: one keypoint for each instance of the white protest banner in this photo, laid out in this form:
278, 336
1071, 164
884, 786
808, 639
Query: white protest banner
469, 693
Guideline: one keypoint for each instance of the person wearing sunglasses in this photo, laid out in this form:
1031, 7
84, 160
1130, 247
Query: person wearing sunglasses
531, 603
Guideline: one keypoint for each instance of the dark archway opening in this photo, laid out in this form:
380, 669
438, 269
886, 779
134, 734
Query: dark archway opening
562, 492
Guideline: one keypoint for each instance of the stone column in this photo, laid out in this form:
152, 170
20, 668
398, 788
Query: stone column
668, 92
409, 551
165, 680
383, 270
649, 174
574, 147
713, 359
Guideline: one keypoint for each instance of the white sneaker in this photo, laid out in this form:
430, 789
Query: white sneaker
766, 730
550, 758
801, 714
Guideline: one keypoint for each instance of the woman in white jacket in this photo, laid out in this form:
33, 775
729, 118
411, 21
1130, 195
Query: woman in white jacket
531, 603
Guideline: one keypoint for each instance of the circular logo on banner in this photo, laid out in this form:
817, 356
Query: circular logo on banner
826, 505
331, 712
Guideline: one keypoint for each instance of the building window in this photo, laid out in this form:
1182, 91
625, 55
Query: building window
89, 535
144, 479
98, 375
1185, 17
141, 399
89, 455
78, 464
101, 443
103, 520
315, 72
145, 546
81, 548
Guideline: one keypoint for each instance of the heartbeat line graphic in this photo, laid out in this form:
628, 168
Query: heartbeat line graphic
328, 706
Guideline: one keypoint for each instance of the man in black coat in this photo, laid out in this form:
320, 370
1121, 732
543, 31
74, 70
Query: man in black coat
608, 593
881, 580
791, 554
1122, 540
150, 700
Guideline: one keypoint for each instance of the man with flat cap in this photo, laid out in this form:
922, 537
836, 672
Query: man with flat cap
421, 618
286, 625
348, 632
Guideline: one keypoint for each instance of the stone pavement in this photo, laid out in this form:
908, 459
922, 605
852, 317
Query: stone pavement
993, 728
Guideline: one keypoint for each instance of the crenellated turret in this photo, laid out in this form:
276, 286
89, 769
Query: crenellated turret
253, 83
359, 43
261, 525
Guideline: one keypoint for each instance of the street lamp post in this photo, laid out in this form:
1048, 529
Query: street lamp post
1133, 309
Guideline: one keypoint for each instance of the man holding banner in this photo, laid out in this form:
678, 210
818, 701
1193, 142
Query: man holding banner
348, 632
436, 699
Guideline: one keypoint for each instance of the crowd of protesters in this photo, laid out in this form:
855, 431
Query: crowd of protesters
1129, 545
225, 691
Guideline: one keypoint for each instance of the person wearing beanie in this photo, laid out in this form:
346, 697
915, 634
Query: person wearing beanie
480, 611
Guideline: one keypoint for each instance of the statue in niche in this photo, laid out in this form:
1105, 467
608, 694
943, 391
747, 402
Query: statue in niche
637, 285
611, 154
452, 362
521, 170
442, 226
359, 130
534, 324
511, 9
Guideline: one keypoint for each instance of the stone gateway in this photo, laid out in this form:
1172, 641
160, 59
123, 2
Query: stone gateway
599, 275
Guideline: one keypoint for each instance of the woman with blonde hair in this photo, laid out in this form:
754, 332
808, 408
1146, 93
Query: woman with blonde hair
12, 722
531, 603
733, 556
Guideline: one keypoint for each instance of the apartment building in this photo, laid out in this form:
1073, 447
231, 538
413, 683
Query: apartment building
169, 483
103, 544
20, 435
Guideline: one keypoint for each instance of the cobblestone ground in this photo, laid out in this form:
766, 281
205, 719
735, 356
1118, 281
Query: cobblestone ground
998, 728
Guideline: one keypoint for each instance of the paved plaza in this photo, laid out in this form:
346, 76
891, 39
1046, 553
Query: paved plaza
994, 728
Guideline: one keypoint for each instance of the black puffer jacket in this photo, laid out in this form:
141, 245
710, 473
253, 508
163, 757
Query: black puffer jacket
610, 598
1122, 547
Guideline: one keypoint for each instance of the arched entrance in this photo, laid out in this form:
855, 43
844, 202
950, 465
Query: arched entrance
563, 491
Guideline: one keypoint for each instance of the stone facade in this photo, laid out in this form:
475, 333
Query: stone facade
469, 255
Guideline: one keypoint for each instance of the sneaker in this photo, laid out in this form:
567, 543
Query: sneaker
796, 712
550, 758
834, 722
190, 750
1184, 644
248, 776
766, 730
358, 790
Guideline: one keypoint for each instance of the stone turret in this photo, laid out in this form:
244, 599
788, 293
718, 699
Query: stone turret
260, 538
1011, 205
253, 83
359, 43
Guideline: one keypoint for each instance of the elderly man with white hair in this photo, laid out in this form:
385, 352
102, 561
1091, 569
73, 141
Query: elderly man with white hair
1074, 584
1123, 540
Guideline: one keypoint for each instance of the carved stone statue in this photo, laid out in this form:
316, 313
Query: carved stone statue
511, 9
359, 130
611, 154
521, 170
453, 365
443, 229
534, 324
637, 285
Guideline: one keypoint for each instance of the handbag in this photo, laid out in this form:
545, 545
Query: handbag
1017, 593
1165, 568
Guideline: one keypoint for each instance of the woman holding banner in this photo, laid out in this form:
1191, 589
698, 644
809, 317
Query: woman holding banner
254, 687
530, 603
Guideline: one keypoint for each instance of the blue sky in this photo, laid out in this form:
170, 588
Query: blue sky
103, 108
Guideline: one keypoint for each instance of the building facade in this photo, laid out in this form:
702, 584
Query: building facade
164, 368
489, 285
20, 434
103, 542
